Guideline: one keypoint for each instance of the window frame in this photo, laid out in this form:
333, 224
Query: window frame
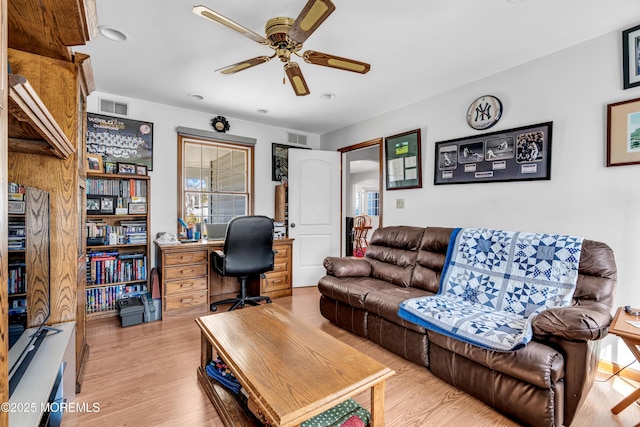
248, 148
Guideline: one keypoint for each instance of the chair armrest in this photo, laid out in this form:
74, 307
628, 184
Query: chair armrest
577, 323
347, 267
218, 260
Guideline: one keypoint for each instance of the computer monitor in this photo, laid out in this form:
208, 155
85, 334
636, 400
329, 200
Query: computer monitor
216, 231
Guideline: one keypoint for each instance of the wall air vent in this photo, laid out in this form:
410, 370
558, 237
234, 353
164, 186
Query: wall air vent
295, 138
114, 107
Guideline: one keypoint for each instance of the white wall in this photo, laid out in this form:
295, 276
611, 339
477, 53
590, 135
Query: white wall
164, 177
571, 88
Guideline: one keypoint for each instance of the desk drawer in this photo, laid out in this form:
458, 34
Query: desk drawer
276, 282
187, 285
182, 258
282, 252
280, 266
184, 271
187, 301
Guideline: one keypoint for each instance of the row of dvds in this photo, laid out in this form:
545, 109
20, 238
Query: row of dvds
115, 269
104, 299
17, 282
17, 306
117, 187
16, 191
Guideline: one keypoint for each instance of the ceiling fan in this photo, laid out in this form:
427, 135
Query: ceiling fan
286, 36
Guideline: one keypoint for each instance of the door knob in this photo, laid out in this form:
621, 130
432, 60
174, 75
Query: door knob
293, 225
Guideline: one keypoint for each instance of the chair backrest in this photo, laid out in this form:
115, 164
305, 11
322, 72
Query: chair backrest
248, 245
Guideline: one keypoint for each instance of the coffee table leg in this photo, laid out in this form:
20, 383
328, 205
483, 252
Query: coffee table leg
377, 404
205, 351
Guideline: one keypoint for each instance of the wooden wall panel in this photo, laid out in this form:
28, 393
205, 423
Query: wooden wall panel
4, 298
37, 256
57, 84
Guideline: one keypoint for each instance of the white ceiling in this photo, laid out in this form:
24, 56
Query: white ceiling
416, 49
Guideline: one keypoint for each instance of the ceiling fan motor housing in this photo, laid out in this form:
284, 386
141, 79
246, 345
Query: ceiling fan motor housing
276, 30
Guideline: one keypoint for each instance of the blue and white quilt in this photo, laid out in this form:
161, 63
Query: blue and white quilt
493, 284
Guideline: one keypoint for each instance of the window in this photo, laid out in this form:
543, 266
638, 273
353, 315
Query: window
215, 180
373, 203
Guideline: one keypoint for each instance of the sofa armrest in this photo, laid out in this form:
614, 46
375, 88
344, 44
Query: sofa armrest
347, 267
578, 322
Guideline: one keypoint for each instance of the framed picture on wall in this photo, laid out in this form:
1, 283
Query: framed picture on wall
94, 163
623, 133
518, 154
631, 57
280, 161
120, 140
404, 162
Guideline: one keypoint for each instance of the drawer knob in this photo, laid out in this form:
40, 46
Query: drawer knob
186, 300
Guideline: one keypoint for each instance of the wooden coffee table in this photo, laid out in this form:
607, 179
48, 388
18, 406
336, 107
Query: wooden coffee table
290, 369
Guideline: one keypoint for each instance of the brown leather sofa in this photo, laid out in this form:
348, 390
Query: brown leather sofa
542, 384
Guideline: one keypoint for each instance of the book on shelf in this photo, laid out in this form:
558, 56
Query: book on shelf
17, 306
108, 267
16, 192
105, 298
17, 280
128, 232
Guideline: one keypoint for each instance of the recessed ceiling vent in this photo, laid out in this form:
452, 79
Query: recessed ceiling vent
295, 138
114, 107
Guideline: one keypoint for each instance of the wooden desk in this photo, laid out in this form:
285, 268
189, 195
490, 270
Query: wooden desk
290, 369
631, 337
189, 282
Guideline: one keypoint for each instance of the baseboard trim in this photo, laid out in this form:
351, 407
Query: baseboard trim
609, 367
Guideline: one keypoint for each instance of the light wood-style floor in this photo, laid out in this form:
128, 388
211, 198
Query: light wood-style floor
145, 375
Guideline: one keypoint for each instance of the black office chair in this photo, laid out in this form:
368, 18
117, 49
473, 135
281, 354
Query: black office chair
248, 250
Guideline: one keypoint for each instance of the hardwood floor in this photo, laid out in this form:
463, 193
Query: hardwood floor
145, 375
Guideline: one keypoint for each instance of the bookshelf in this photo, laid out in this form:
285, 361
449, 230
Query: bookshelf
281, 211
118, 243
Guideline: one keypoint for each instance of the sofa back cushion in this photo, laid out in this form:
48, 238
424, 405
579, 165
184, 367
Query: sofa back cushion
430, 260
392, 252
597, 275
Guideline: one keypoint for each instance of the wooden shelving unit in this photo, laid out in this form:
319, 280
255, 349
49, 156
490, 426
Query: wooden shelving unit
32, 129
108, 264
42, 111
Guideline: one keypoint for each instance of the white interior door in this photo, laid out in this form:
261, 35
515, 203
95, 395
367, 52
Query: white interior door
314, 212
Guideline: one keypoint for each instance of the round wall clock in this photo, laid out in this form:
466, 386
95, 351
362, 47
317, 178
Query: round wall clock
484, 112
220, 124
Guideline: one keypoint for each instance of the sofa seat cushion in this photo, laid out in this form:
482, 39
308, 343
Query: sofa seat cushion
350, 290
536, 363
385, 302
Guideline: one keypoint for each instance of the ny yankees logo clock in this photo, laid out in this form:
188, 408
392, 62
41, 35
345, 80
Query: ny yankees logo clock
484, 112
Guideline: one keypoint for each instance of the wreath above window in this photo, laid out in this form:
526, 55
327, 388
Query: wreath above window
220, 124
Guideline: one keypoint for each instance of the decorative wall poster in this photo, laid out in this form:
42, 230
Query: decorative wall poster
403, 160
120, 140
522, 153
280, 161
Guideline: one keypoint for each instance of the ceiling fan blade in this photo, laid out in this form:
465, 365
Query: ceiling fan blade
326, 60
207, 13
296, 78
313, 14
232, 69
